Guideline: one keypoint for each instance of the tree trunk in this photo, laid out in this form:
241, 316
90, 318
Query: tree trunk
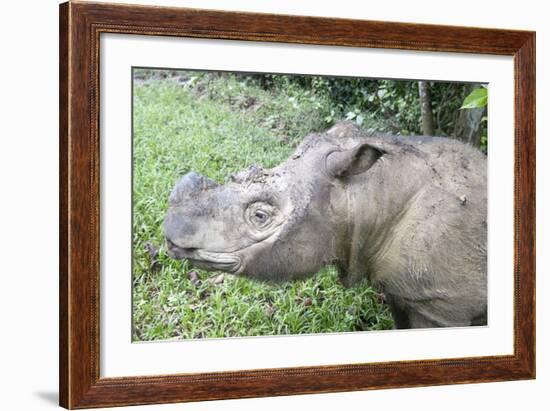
426, 108
468, 124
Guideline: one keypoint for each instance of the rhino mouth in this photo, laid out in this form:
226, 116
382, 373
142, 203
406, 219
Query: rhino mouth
207, 260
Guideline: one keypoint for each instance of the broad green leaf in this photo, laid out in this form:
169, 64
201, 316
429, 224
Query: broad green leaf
476, 99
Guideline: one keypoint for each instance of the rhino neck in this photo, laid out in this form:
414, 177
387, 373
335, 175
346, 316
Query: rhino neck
377, 207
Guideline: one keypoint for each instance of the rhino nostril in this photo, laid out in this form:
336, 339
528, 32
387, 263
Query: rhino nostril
171, 244
186, 250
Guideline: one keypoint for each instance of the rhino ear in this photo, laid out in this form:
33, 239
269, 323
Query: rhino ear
353, 161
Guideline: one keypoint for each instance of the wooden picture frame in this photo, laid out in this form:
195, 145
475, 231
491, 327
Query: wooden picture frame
81, 24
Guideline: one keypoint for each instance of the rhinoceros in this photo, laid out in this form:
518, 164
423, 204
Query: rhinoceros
407, 213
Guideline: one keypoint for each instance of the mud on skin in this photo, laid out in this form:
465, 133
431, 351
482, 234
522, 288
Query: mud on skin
408, 214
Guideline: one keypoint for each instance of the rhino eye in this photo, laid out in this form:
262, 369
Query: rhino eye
259, 215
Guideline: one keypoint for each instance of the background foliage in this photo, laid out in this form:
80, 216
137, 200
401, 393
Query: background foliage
219, 123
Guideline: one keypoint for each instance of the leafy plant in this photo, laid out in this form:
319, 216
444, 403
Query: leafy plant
476, 99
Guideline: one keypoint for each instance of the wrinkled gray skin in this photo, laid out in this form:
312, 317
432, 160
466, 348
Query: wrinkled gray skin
408, 213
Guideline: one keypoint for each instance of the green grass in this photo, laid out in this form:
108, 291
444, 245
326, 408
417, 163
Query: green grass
216, 125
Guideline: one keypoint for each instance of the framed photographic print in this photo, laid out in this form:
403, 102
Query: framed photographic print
257, 205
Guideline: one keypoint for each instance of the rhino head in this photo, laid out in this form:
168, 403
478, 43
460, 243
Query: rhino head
273, 224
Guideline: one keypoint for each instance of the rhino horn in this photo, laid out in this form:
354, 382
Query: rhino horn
191, 183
